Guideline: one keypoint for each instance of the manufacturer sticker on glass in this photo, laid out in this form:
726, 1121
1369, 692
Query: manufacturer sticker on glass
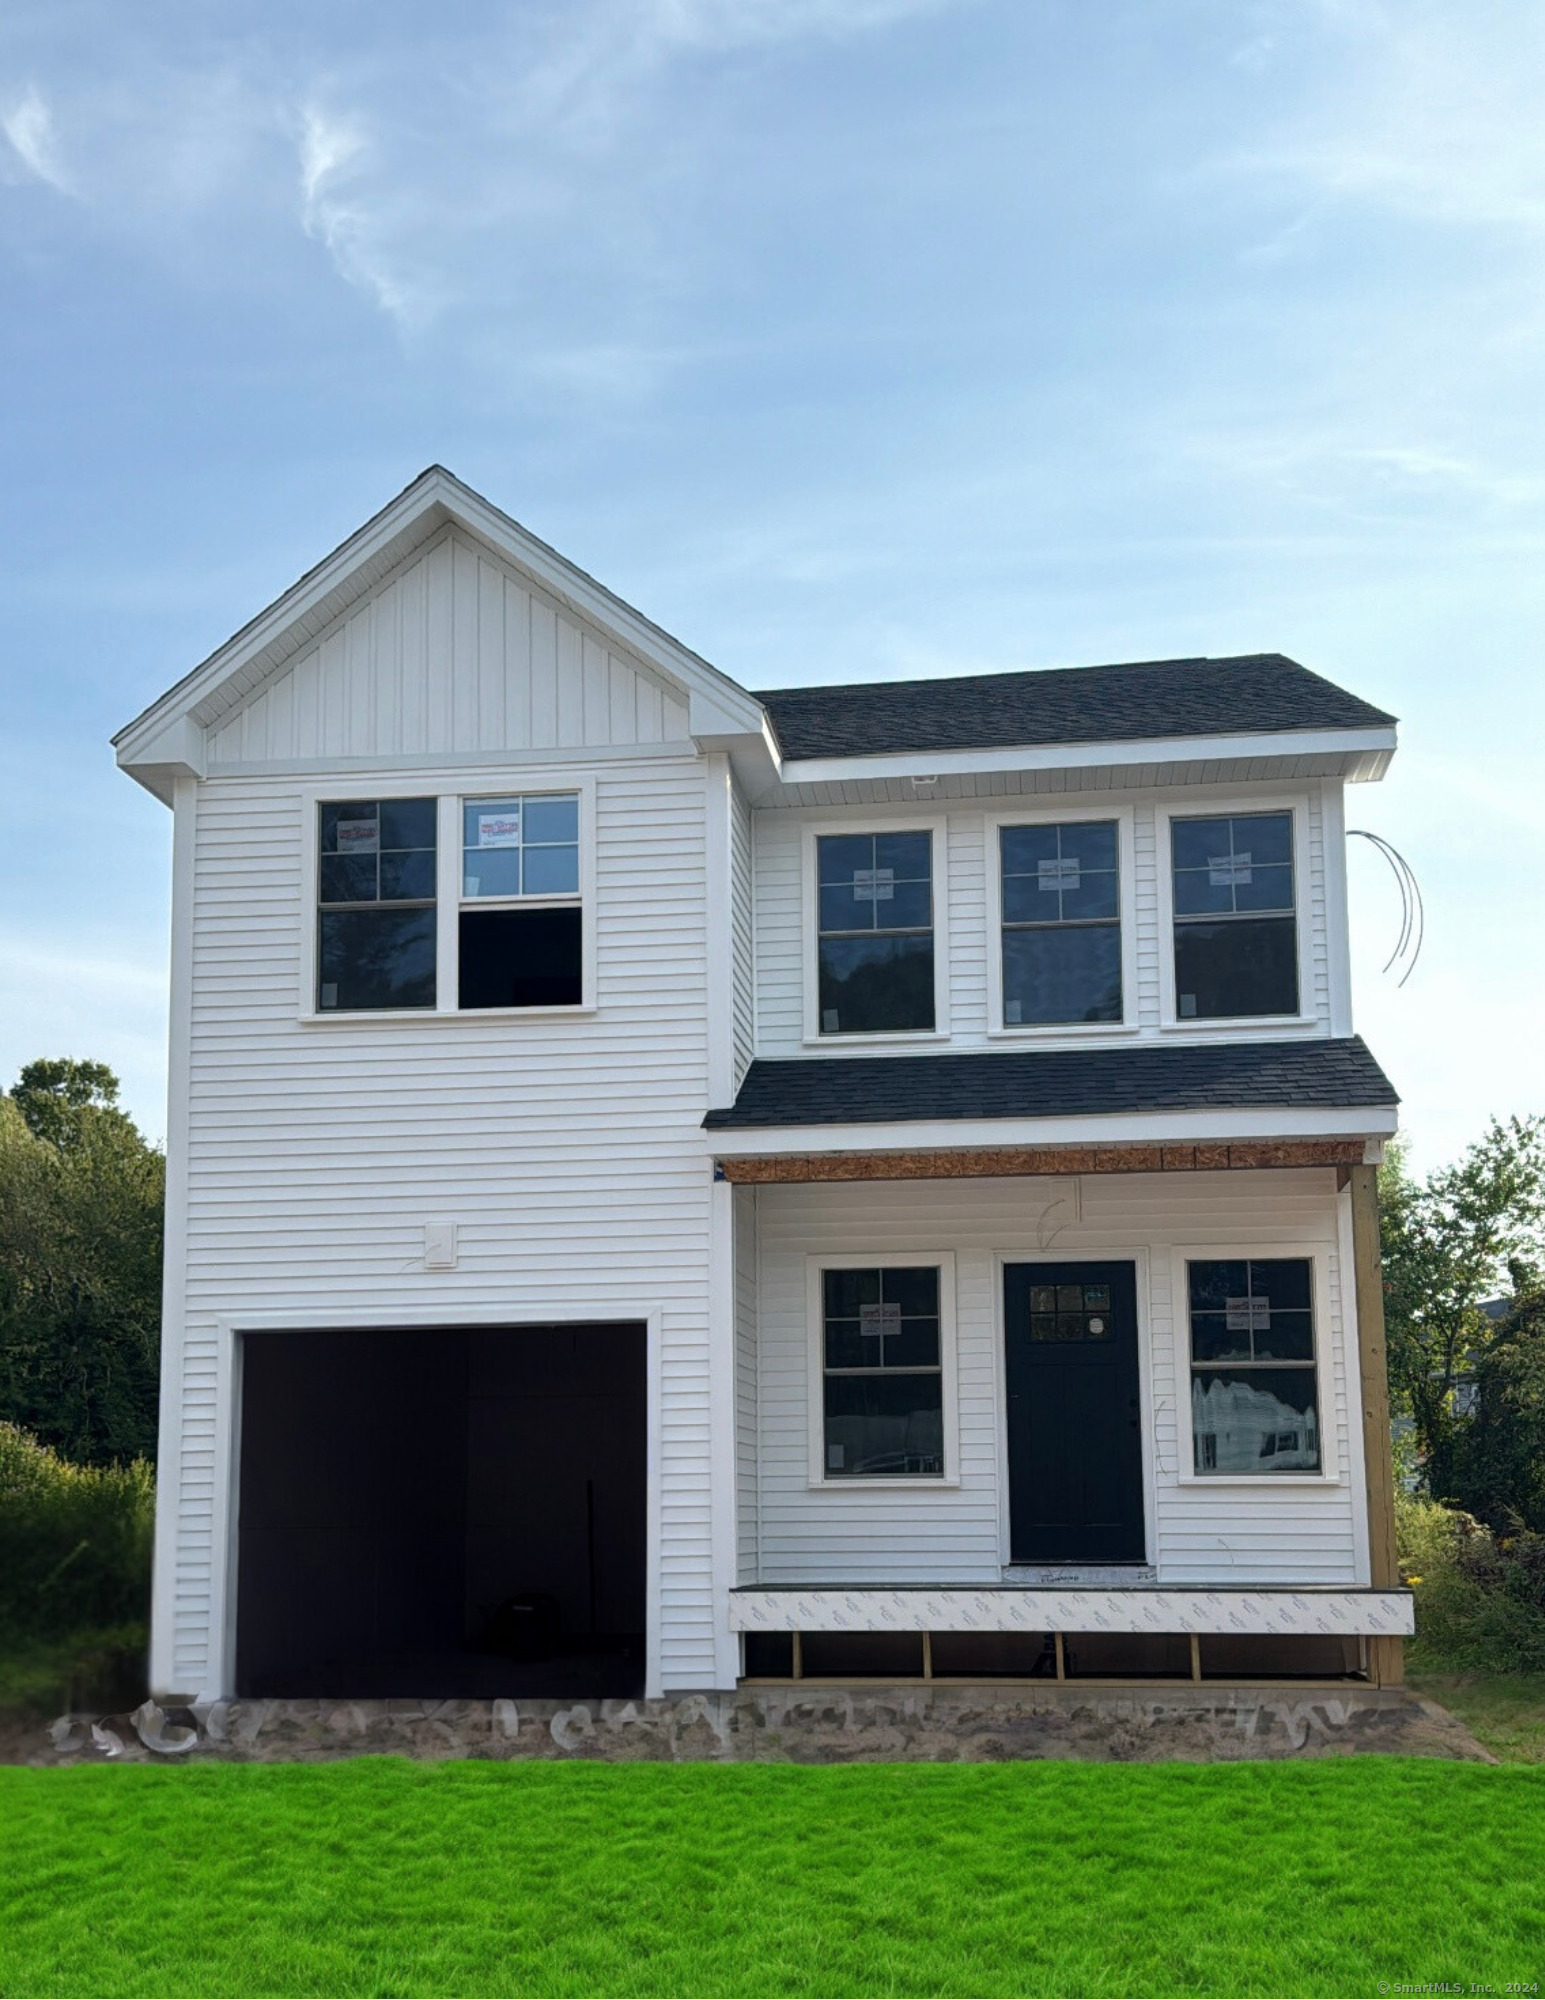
499, 829
1228, 871
1060, 874
874, 885
1248, 1315
879, 1319
359, 836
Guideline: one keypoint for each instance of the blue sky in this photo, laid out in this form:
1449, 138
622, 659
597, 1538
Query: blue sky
847, 338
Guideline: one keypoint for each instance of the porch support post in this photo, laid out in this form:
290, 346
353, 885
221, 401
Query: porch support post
1385, 1656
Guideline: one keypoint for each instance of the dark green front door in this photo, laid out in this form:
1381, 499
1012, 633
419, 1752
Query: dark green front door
1075, 1447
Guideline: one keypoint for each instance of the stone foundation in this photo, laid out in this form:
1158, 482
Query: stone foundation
798, 1725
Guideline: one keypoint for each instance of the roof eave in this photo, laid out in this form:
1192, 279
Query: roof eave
1365, 754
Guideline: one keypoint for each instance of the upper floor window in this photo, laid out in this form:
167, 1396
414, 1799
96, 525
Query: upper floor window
519, 928
874, 942
376, 905
882, 1388
1236, 934
1061, 923
1253, 1403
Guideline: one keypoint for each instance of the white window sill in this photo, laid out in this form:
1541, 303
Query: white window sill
1040, 1031
901, 1039
343, 1017
1233, 1024
880, 1484
1259, 1479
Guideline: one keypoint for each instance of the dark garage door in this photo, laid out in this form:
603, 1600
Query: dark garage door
452, 1512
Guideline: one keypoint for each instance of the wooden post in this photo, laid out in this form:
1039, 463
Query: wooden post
1385, 1656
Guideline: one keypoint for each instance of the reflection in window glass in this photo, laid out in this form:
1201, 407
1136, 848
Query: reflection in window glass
874, 927
1254, 1407
376, 897
1061, 923
882, 1378
1236, 937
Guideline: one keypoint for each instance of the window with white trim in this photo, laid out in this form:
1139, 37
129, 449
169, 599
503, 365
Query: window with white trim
375, 905
874, 933
1061, 902
1236, 932
1254, 1401
882, 1373
519, 929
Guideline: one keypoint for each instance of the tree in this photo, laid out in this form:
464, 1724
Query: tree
1451, 1243
81, 1197
1499, 1460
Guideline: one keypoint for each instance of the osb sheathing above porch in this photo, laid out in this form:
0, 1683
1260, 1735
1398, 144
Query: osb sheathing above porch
976, 1162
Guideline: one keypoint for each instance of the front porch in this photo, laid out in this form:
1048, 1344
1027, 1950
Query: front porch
1236, 1554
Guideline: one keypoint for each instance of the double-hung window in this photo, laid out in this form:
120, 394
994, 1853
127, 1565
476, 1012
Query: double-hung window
519, 929
882, 1377
1061, 906
1254, 1407
874, 933
375, 905
1236, 932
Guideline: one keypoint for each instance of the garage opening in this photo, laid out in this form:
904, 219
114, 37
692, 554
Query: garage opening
442, 1513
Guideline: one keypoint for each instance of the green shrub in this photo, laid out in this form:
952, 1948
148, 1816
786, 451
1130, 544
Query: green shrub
75, 1543
1480, 1597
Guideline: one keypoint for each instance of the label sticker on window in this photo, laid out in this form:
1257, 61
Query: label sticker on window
874, 885
835, 1454
1225, 871
879, 1319
359, 836
1062, 874
499, 829
1248, 1315
1013, 1012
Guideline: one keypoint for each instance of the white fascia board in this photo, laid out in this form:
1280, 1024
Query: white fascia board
435, 498
1367, 752
1154, 1128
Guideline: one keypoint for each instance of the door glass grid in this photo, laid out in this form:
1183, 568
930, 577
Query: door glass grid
1070, 1312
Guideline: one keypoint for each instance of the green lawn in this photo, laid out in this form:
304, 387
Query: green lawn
1506, 1712
384, 1877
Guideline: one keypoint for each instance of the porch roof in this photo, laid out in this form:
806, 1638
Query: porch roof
1318, 1073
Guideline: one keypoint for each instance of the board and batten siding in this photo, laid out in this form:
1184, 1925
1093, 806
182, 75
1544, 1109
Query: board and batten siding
454, 653
568, 1151
962, 901
1201, 1532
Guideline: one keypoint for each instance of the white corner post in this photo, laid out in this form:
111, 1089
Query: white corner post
721, 1427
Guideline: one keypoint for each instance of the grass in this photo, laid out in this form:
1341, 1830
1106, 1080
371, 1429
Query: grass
384, 1877
1506, 1712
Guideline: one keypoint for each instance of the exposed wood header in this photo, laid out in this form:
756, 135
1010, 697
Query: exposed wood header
978, 1162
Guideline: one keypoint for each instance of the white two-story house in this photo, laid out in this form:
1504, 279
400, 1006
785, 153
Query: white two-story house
672, 1186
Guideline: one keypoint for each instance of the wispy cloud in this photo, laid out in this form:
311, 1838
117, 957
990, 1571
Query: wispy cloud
34, 148
1429, 111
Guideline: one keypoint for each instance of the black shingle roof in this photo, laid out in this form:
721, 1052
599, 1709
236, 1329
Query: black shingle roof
1059, 1083
1251, 695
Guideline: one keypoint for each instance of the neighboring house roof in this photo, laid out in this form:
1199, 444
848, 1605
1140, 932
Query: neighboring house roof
1257, 693
1059, 1083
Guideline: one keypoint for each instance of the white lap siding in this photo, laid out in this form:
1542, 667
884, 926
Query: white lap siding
1260, 1532
782, 920
568, 1151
